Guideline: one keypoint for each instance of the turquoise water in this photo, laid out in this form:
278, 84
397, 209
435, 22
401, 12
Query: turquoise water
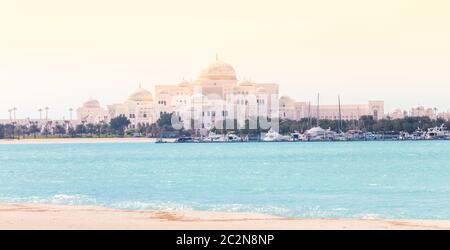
408, 180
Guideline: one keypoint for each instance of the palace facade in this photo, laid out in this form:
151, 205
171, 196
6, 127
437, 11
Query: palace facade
217, 95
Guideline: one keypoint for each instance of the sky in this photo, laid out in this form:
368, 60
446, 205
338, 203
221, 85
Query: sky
59, 53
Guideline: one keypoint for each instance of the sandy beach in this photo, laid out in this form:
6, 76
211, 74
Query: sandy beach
79, 140
38, 216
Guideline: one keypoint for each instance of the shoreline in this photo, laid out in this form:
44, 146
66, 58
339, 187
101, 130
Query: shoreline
80, 140
94, 140
43, 216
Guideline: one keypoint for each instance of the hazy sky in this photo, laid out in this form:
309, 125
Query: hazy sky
58, 53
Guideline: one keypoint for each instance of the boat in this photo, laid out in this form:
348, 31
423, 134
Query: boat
232, 137
186, 140
318, 134
213, 137
341, 136
407, 136
296, 136
437, 133
369, 136
418, 134
272, 135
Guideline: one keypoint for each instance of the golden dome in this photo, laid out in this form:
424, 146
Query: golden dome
141, 95
91, 104
261, 90
246, 83
218, 70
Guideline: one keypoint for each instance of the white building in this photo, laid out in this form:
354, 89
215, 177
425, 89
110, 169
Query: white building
139, 109
92, 112
217, 95
291, 109
421, 111
398, 114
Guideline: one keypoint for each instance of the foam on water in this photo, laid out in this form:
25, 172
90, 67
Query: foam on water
58, 199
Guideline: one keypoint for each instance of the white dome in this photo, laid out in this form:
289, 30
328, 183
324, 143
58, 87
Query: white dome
141, 95
91, 104
260, 90
246, 83
184, 83
218, 70
286, 99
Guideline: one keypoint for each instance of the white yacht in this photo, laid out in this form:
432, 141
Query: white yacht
272, 135
419, 134
437, 133
318, 134
341, 136
232, 137
296, 136
213, 137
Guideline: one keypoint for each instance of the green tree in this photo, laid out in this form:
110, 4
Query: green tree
90, 129
34, 129
9, 130
366, 123
59, 130
2, 131
119, 124
80, 129
165, 122
71, 131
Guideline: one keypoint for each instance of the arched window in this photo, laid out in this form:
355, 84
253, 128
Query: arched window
375, 114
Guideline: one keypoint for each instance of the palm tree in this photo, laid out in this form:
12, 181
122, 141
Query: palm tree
70, 111
14, 112
9, 130
34, 129
60, 130
40, 114
46, 113
2, 131
90, 128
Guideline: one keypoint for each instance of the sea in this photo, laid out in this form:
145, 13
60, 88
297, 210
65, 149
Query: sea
364, 179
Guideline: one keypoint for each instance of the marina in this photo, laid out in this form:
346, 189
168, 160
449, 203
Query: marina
320, 134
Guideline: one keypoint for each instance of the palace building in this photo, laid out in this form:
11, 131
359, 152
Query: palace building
139, 108
217, 95
293, 110
92, 112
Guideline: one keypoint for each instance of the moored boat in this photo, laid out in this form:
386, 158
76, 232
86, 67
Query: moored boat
272, 135
437, 133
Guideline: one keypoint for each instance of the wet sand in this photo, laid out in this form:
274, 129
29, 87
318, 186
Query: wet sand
39, 216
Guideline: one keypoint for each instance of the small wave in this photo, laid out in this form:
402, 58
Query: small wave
300, 212
369, 216
160, 206
58, 199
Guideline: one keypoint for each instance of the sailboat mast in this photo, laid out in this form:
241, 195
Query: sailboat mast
309, 115
318, 115
359, 118
340, 114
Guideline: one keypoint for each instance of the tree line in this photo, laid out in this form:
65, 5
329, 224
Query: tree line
365, 124
116, 127
119, 127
